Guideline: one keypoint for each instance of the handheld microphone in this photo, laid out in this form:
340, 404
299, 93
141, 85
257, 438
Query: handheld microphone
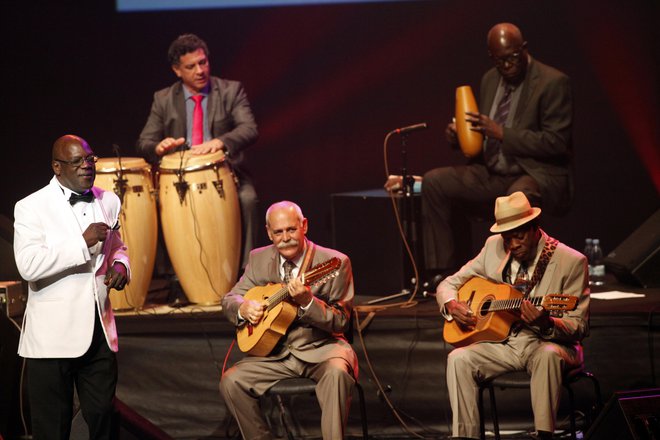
410, 128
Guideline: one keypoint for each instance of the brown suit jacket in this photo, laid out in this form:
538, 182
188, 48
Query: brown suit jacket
318, 334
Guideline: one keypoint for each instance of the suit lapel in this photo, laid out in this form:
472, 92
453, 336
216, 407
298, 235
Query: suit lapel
488, 94
502, 267
179, 124
98, 193
545, 287
529, 84
63, 208
274, 265
214, 94
109, 243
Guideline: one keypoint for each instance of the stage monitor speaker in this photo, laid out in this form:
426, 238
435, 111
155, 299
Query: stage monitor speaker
629, 415
129, 425
365, 229
12, 298
637, 259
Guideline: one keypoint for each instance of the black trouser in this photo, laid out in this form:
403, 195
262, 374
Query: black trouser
468, 188
50, 388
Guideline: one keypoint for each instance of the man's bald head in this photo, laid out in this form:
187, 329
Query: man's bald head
284, 205
508, 49
73, 163
65, 142
286, 227
504, 35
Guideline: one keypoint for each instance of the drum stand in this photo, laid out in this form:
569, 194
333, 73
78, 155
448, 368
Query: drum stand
409, 224
121, 183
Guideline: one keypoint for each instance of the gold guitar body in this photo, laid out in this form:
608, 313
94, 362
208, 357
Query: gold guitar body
496, 305
260, 339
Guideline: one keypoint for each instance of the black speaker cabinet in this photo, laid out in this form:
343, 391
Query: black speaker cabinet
365, 229
637, 259
629, 415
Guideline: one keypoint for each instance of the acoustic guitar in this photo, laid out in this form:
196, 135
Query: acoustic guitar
495, 306
260, 339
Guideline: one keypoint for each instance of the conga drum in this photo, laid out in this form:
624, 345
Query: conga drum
470, 141
132, 182
201, 223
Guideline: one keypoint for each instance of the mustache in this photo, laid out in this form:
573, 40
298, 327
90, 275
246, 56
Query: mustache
285, 244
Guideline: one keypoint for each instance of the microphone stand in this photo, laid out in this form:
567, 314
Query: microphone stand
120, 183
408, 221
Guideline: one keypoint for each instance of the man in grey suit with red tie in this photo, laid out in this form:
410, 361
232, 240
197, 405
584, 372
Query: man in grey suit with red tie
68, 248
526, 116
314, 345
206, 114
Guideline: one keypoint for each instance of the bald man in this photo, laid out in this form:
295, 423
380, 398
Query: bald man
68, 248
314, 345
527, 147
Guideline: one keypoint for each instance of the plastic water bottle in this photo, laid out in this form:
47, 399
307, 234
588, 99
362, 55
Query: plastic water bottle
596, 266
588, 248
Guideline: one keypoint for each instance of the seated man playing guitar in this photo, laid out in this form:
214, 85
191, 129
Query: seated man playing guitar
309, 342
542, 343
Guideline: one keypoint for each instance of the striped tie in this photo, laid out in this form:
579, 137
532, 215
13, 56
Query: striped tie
288, 270
492, 150
521, 282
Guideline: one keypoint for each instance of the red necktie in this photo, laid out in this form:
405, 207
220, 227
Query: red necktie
198, 121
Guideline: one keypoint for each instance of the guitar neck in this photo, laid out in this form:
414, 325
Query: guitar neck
318, 274
513, 303
277, 298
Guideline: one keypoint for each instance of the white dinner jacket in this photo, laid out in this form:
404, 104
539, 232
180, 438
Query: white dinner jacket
65, 284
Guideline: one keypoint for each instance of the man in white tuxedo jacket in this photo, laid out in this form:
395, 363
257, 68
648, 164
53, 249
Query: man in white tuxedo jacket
68, 248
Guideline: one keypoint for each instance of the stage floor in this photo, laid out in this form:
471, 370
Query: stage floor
171, 359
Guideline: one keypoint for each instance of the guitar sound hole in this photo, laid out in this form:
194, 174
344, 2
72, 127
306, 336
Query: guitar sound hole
483, 310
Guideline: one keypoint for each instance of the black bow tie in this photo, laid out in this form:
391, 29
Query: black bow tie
86, 197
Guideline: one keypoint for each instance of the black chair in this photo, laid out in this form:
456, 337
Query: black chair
302, 385
521, 380
297, 386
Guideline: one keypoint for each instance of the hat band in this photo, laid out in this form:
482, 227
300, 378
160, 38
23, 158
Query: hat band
514, 217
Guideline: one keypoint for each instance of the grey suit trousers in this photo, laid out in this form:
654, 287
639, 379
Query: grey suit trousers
243, 384
544, 361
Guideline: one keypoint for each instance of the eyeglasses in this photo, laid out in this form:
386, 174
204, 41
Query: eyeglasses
514, 58
78, 162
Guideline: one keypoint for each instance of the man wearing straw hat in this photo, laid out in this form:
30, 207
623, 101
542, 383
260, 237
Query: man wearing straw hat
545, 346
